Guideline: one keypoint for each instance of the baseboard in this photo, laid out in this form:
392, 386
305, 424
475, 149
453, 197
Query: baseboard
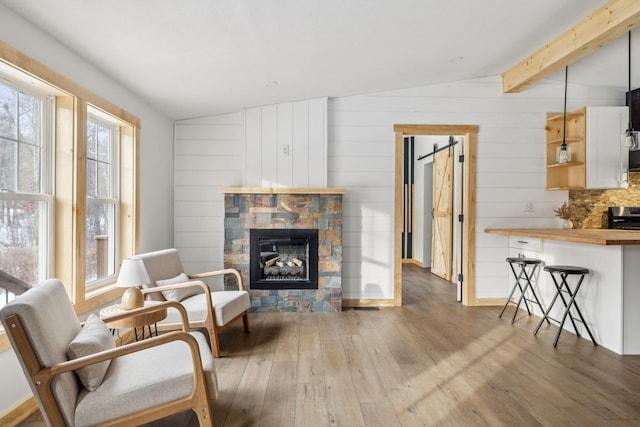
489, 302
367, 303
19, 413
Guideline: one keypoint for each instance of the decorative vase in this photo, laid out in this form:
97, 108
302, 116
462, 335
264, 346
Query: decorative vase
567, 224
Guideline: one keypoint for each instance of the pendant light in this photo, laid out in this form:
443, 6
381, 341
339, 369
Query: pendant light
564, 153
630, 135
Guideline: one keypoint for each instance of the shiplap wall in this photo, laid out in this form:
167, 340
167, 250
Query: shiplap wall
286, 145
209, 155
360, 158
510, 169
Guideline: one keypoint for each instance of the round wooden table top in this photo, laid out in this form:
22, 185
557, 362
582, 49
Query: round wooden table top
134, 321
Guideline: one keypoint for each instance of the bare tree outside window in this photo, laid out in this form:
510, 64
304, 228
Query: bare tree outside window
23, 214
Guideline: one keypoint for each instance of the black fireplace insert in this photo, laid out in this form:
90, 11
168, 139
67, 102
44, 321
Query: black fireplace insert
283, 258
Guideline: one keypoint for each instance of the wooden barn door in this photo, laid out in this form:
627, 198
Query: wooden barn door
441, 252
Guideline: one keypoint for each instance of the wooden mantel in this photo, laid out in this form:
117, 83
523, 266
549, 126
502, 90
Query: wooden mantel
282, 190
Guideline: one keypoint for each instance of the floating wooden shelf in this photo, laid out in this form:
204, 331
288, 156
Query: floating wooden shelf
552, 117
565, 165
567, 140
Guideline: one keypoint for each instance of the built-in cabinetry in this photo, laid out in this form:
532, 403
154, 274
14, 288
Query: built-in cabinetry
598, 160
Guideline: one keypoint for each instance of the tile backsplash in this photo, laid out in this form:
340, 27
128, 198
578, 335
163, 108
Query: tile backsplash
590, 206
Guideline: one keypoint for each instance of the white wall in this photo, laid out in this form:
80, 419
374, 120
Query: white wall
209, 155
510, 172
286, 145
510, 168
156, 158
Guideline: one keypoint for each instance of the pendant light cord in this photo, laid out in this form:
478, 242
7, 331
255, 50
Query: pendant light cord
564, 123
629, 92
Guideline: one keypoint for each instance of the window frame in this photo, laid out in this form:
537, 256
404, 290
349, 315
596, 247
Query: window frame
113, 124
47, 146
71, 110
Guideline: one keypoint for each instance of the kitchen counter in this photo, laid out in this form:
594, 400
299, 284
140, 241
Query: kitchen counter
591, 236
610, 297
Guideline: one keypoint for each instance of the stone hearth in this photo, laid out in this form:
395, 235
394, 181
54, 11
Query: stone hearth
321, 209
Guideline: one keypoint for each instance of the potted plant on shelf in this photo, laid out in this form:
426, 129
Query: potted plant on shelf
564, 212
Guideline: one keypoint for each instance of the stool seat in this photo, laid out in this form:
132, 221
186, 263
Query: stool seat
567, 269
528, 261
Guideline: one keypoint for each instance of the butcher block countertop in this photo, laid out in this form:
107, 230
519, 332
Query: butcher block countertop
591, 236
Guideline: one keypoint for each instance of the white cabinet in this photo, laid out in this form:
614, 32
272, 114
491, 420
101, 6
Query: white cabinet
607, 157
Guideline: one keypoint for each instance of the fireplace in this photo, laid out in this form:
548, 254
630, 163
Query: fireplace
309, 277
283, 258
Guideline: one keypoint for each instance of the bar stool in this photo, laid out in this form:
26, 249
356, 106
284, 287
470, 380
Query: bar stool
522, 276
563, 271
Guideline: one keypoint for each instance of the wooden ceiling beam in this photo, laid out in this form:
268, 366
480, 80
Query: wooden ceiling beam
604, 25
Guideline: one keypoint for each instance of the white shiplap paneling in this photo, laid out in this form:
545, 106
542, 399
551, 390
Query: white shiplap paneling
287, 144
209, 155
510, 168
359, 153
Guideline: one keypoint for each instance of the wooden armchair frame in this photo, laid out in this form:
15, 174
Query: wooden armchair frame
198, 400
209, 322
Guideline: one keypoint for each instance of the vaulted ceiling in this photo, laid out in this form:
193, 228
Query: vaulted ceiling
196, 58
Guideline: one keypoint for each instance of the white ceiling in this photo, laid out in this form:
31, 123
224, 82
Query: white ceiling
195, 58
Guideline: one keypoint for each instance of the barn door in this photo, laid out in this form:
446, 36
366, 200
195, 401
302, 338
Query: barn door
442, 242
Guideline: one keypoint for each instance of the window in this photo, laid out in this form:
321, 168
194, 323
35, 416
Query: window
102, 213
26, 195
68, 185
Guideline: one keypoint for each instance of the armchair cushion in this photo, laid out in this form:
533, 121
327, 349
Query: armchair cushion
226, 306
178, 295
92, 338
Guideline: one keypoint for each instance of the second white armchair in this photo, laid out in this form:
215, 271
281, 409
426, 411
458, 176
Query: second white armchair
212, 310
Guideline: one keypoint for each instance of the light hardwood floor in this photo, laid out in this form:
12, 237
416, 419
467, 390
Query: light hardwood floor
432, 362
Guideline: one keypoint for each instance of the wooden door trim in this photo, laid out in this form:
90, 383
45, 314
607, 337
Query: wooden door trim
470, 134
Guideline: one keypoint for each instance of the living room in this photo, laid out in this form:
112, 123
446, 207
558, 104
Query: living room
177, 208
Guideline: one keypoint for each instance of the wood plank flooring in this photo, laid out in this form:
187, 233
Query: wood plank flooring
432, 362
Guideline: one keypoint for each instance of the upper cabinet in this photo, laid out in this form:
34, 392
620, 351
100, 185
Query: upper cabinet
598, 159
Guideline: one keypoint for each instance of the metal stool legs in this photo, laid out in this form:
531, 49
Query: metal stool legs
565, 271
522, 277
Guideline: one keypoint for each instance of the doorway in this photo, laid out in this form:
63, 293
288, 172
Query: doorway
469, 135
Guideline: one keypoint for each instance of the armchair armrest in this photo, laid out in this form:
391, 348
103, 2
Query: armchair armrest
43, 377
223, 272
197, 283
210, 314
113, 353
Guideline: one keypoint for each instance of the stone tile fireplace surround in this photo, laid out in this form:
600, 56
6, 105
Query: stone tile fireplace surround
287, 208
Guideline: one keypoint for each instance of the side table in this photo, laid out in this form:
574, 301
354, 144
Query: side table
142, 320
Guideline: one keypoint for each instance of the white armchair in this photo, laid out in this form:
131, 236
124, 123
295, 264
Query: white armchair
212, 310
79, 378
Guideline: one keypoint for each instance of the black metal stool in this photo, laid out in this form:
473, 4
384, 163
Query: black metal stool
564, 271
522, 276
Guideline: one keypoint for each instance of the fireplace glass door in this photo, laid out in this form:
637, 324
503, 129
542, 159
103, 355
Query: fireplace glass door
284, 258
